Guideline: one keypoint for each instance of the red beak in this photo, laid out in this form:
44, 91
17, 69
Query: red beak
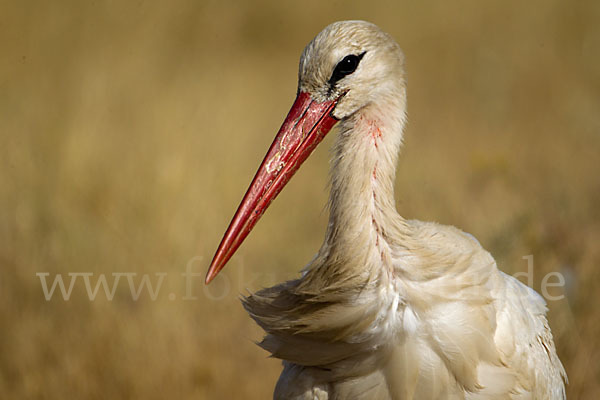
306, 125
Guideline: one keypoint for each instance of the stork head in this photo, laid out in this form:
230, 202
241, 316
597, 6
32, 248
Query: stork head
346, 67
353, 63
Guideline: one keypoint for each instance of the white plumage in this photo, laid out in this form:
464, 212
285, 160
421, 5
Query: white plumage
389, 308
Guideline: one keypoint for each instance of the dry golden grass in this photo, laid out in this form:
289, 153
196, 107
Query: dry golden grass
129, 131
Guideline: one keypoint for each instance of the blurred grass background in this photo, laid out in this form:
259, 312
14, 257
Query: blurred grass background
129, 131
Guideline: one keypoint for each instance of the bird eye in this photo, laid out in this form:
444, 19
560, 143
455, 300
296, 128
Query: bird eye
345, 67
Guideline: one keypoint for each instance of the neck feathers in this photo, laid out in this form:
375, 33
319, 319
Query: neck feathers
364, 226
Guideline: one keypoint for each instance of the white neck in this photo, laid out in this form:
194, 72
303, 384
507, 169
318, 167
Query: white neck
363, 215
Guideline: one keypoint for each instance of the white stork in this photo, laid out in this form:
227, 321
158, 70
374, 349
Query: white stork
389, 308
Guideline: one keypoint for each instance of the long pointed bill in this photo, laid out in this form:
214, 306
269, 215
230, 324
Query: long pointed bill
306, 125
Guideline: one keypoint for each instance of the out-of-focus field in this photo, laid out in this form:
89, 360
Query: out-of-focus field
129, 131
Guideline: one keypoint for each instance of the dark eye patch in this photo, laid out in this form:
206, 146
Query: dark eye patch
345, 67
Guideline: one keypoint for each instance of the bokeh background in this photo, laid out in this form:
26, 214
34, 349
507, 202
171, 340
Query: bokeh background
129, 131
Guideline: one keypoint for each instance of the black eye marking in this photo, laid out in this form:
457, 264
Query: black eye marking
345, 67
